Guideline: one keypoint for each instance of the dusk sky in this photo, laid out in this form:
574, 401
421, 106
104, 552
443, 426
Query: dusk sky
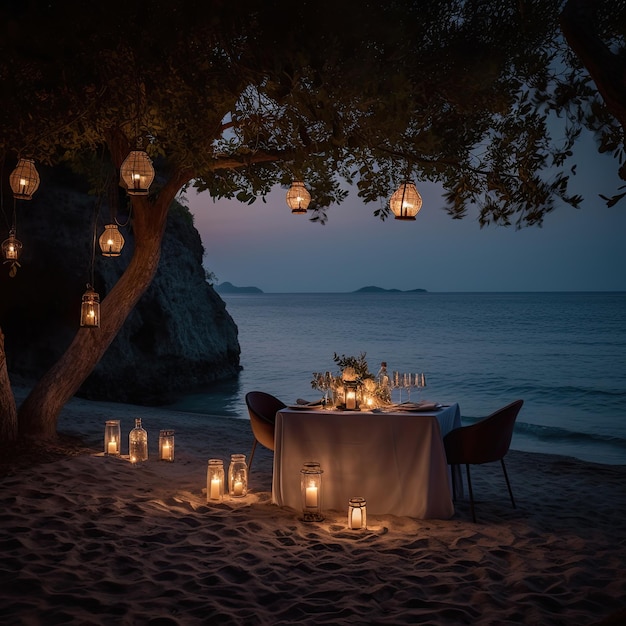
265, 246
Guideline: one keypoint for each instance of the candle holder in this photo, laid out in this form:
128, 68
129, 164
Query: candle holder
112, 437
357, 514
215, 481
351, 392
166, 445
311, 486
238, 476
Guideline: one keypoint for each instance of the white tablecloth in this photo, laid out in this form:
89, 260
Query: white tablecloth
396, 461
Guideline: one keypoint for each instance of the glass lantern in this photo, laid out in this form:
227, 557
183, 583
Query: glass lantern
311, 486
351, 393
112, 438
215, 481
357, 514
11, 248
90, 309
166, 445
138, 443
238, 476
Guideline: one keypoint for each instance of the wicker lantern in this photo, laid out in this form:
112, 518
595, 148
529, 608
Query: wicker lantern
24, 179
90, 309
137, 173
11, 248
298, 198
111, 241
406, 202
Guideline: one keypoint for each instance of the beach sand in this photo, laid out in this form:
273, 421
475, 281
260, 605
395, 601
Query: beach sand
90, 539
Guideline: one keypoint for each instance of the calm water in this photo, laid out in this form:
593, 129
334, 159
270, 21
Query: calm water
563, 353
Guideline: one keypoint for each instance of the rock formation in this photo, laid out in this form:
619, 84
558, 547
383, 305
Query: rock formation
179, 338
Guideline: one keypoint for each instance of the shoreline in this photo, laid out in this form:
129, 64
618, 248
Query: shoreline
91, 539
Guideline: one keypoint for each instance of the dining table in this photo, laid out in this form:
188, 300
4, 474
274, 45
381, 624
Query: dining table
394, 458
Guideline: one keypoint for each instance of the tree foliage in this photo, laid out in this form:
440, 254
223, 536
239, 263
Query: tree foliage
482, 96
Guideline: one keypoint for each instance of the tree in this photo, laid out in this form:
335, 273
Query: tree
235, 98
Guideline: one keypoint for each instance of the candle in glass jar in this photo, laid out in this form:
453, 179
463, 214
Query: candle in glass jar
167, 451
311, 496
112, 447
215, 489
357, 520
351, 400
238, 488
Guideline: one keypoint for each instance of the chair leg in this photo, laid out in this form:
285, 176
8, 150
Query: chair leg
508, 484
452, 472
251, 455
471, 493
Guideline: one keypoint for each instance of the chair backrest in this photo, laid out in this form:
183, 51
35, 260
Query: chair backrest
263, 405
485, 441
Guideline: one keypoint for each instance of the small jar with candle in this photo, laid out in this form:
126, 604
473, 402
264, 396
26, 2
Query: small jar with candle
112, 438
311, 486
238, 476
166, 445
357, 514
138, 443
215, 481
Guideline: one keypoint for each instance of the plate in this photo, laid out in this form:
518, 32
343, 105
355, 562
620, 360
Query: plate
411, 407
304, 407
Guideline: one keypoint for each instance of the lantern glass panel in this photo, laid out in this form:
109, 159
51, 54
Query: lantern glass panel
90, 309
166, 445
311, 487
11, 248
112, 438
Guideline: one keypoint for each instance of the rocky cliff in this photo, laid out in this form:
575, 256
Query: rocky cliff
179, 337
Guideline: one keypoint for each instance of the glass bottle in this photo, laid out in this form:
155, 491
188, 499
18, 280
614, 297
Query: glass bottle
238, 476
384, 382
138, 443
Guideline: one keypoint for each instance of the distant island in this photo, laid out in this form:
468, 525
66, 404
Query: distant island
372, 289
227, 287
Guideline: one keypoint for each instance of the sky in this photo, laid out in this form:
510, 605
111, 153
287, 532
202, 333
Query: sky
265, 246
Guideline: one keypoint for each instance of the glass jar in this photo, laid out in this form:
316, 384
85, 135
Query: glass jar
238, 476
138, 443
166, 445
215, 481
112, 438
311, 487
357, 514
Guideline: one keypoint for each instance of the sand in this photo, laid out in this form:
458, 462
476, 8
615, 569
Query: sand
91, 539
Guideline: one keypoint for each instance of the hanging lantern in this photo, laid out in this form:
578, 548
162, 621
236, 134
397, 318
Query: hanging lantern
311, 487
298, 198
24, 180
137, 173
11, 248
111, 241
90, 309
406, 202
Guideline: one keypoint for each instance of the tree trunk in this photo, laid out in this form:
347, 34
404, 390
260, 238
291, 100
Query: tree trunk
8, 411
38, 414
605, 68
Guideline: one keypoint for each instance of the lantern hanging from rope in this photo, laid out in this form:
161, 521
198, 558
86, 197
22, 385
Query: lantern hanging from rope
111, 241
24, 179
406, 201
90, 309
298, 198
137, 173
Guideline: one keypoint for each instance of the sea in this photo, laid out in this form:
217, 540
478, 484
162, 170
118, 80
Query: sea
563, 353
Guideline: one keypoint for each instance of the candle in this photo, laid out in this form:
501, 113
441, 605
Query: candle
357, 519
351, 400
215, 489
238, 488
112, 447
167, 452
311, 497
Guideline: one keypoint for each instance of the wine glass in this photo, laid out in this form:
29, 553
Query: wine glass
407, 381
396, 383
420, 383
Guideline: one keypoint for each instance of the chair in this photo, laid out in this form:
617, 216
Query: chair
483, 442
262, 408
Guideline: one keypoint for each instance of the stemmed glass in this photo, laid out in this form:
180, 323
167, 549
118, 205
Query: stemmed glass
407, 383
396, 383
420, 383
